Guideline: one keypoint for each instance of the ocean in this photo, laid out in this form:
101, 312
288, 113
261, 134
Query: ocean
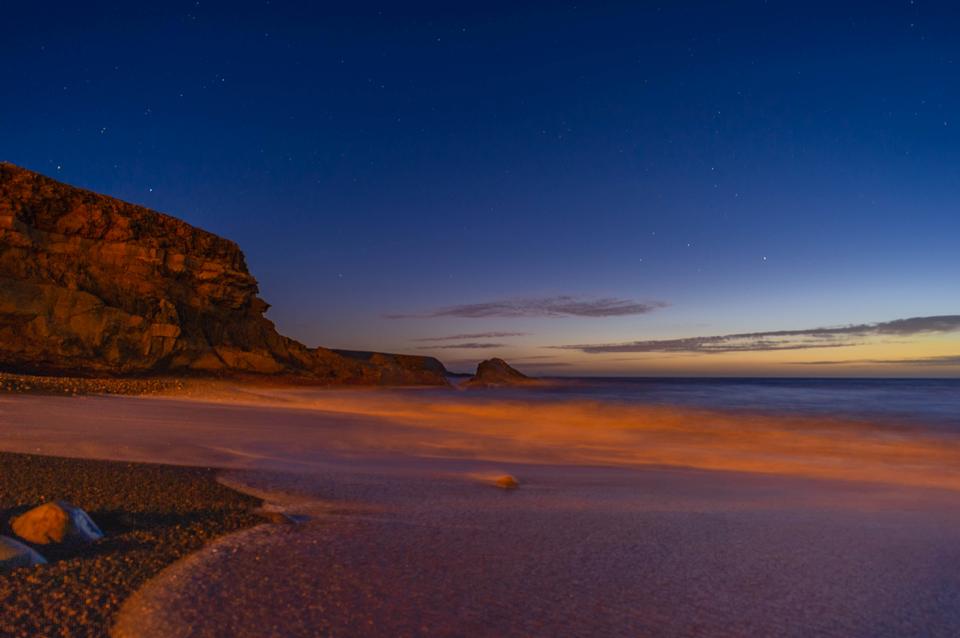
933, 403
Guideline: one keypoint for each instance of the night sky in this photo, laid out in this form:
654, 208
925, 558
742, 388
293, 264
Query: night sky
636, 188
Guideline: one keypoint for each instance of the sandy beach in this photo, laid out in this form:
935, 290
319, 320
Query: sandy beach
774, 527
573, 552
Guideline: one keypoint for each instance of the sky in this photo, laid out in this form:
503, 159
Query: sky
671, 188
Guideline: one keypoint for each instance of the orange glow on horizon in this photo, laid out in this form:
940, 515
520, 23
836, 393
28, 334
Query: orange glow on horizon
913, 357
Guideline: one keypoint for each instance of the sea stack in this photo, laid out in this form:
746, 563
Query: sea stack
496, 372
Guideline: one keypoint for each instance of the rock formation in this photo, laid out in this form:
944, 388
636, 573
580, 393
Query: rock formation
496, 372
55, 523
90, 285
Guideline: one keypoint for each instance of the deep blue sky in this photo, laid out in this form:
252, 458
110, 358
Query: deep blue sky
755, 166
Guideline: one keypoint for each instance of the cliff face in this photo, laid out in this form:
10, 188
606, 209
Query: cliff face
93, 285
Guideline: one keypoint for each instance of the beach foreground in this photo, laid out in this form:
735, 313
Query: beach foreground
403, 531
153, 515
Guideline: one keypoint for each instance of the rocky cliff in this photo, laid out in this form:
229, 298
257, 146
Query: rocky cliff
91, 285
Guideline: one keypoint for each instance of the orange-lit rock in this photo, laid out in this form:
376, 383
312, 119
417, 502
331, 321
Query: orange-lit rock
55, 523
91, 285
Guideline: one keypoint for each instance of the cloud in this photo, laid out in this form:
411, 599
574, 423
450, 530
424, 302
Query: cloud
917, 325
560, 306
473, 345
781, 339
948, 360
540, 364
476, 335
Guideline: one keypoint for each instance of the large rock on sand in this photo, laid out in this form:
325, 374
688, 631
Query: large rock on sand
496, 373
15, 554
90, 285
55, 523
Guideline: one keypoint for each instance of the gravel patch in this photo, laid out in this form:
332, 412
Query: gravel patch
152, 515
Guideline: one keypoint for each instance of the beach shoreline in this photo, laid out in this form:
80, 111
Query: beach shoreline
152, 515
847, 528
574, 551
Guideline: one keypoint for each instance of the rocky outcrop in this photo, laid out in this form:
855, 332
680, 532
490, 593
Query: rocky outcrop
90, 285
496, 373
399, 369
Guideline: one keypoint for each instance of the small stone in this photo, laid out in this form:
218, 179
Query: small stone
15, 554
55, 523
507, 482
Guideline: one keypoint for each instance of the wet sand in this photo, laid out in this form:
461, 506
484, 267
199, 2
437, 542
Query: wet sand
764, 535
573, 552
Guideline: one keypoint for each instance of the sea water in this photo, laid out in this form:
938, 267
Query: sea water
933, 403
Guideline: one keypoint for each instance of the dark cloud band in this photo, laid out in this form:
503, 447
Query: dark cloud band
782, 339
464, 346
560, 306
948, 360
475, 335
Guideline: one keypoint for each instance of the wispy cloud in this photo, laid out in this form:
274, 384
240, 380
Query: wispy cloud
473, 345
476, 335
560, 306
540, 364
947, 360
781, 339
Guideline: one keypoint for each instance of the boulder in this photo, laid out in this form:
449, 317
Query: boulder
15, 554
55, 523
507, 482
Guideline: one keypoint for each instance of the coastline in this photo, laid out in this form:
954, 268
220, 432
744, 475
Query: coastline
403, 531
231, 424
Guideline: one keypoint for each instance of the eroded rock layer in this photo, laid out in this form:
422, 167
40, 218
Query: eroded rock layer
92, 285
